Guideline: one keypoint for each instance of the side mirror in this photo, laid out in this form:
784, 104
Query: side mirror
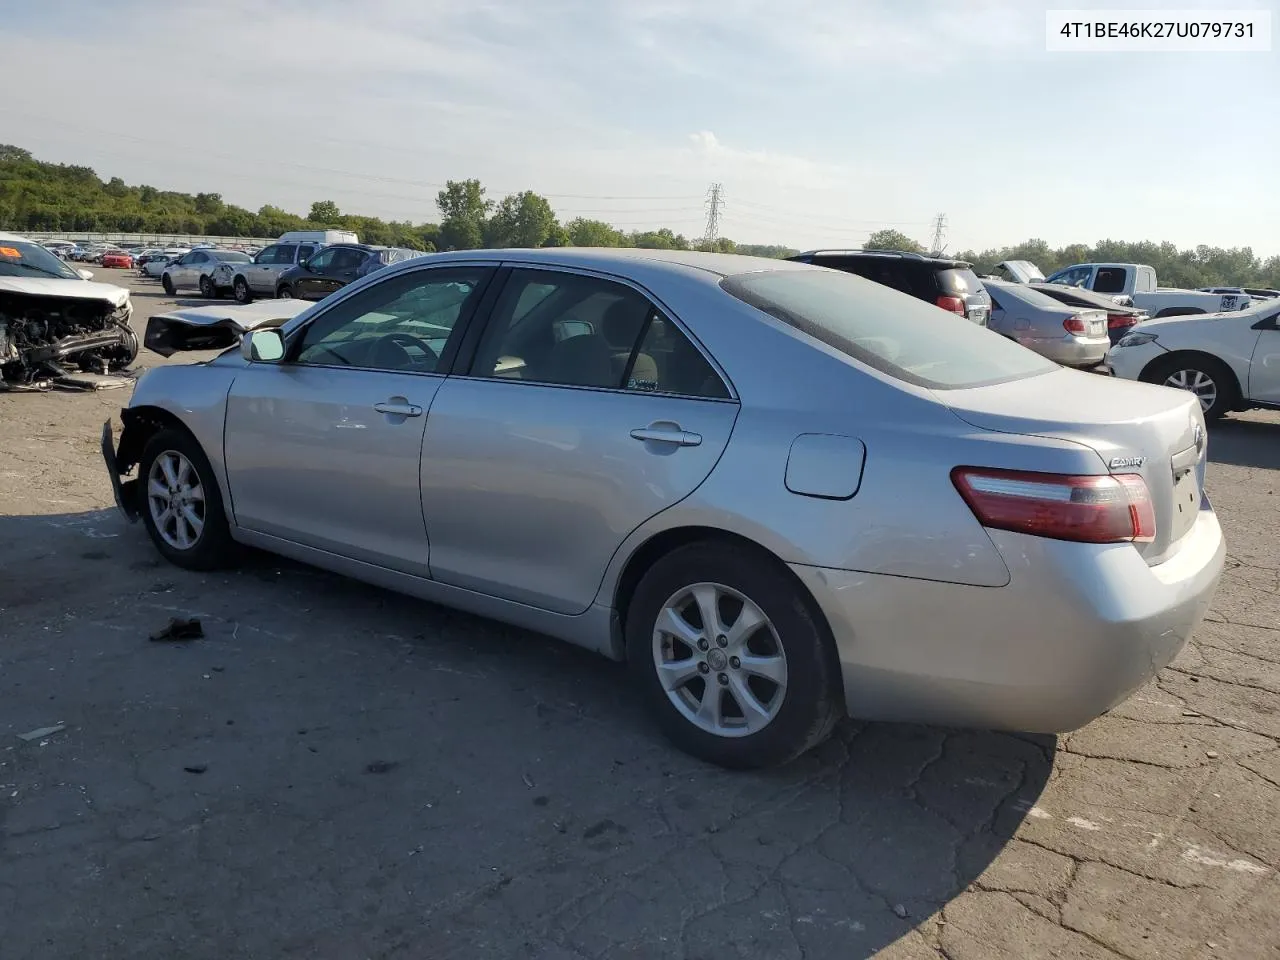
262, 346
85, 274
303, 263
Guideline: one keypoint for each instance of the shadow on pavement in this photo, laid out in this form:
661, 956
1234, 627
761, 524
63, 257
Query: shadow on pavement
1245, 443
336, 766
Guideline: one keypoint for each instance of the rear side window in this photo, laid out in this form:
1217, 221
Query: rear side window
959, 282
1110, 280
900, 336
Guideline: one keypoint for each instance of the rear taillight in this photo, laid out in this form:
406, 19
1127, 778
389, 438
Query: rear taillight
954, 304
1088, 509
1121, 321
1074, 325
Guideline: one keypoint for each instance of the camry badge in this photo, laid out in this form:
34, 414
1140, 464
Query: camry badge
1118, 462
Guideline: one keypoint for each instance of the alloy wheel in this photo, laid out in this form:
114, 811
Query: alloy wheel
175, 498
1196, 381
719, 660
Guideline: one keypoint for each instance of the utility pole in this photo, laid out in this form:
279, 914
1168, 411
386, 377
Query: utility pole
715, 200
939, 232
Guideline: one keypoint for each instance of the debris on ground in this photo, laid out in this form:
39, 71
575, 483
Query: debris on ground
41, 732
180, 628
196, 768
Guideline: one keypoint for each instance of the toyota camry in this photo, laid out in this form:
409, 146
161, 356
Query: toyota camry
783, 493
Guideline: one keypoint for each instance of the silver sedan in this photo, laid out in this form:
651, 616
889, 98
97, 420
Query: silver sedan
782, 493
1072, 336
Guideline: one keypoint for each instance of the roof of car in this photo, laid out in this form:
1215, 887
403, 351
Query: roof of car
606, 258
15, 238
946, 262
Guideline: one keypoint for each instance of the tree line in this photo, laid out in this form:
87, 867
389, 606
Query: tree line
40, 196
1201, 266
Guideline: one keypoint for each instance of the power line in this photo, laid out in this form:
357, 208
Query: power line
714, 201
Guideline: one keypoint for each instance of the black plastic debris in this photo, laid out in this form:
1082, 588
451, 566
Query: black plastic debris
180, 628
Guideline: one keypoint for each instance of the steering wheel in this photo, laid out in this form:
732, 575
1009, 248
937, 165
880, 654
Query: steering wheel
404, 360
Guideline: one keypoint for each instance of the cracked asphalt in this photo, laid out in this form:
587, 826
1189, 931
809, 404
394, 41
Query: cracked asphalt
339, 772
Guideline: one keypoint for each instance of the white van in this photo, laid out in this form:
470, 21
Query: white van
322, 237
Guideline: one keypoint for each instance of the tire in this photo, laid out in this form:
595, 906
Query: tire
117, 357
240, 290
212, 547
207, 289
285, 292
1208, 378
167, 282
800, 713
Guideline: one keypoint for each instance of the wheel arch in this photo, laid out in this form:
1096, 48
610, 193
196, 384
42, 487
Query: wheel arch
1174, 357
663, 542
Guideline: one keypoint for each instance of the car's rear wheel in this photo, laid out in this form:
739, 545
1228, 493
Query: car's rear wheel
167, 282
240, 290
285, 292
181, 505
207, 288
1209, 379
735, 666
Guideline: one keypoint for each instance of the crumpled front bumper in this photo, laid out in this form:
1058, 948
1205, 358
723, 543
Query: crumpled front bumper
125, 491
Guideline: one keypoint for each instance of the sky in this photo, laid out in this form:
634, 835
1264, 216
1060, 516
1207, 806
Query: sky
824, 120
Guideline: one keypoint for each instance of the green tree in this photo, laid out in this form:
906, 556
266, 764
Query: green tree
463, 205
210, 203
521, 220
892, 240
324, 211
593, 233
662, 239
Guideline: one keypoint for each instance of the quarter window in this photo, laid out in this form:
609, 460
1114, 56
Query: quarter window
1110, 280
402, 324
321, 260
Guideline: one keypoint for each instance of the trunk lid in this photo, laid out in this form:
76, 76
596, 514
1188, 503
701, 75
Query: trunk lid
1156, 432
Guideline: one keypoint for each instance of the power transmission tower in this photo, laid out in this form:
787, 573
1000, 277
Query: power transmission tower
715, 200
939, 232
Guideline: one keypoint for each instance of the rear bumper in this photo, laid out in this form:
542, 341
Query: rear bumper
1075, 632
1072, 351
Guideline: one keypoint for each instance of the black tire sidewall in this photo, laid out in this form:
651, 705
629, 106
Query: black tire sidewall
215, 547
1216, 370
207, 289
167, 283
240, 290
284, 293
813, 700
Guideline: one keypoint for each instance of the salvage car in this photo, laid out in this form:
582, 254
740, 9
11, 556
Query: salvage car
49, 313
117, 259
200, 269
335, 266
1229, 361
783, 493
1066, 335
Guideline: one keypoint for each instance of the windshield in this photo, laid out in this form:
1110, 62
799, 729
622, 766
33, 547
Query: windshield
229, 256
19, 258
906, 338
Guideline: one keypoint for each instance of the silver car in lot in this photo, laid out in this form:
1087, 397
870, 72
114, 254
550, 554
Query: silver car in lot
782, 493
1072, 336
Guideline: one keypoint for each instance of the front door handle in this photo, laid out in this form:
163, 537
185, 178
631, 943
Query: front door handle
666, 432
398, 407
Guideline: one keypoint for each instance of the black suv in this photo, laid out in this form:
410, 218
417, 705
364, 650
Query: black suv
335, 266
949, 284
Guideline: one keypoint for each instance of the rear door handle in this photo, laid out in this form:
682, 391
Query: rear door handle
398, 408
666, 433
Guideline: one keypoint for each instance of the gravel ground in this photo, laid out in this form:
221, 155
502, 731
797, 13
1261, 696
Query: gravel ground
339, 772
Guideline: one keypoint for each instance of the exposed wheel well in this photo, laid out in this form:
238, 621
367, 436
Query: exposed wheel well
661, 544
140, 425
1177, 312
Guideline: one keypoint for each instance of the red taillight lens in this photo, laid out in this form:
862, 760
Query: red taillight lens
1074, 325
1087, 509
1121, 321
954, 304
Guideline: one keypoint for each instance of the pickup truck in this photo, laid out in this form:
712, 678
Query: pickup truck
1135, 284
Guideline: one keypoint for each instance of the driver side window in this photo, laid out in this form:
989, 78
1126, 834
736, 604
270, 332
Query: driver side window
402, 324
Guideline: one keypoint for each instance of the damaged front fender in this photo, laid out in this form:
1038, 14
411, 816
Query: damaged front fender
125, 490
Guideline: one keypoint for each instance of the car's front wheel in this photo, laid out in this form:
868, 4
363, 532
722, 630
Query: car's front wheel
181, 505
167, 282
731, 659
207, 288
285, 292
240, 290
1208, 378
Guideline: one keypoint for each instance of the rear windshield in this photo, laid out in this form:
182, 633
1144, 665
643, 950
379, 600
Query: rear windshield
959, 282
899, 335
229, 256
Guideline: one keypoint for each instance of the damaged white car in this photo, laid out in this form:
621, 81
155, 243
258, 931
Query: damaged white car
51, 315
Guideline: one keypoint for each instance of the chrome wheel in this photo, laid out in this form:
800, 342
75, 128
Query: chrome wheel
719, 660
1198, 382
175, 498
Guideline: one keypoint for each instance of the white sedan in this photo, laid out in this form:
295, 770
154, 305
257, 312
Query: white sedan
1231, 361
